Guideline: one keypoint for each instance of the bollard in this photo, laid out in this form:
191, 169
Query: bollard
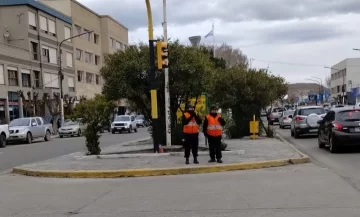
254, 128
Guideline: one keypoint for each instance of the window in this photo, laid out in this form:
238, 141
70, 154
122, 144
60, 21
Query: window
49, 54
96, 38
97, 60
117, 45
88, 57
52, 27
89, 78
80, 75
38, 120
97, 79
32, 20
2, 77
45, 54
43, 24
77, 30
112, 43
69, 59
25, 78
34, 50
37, 78
67, 31
79, 54
51, 80
87, 36
13, 76
71, 84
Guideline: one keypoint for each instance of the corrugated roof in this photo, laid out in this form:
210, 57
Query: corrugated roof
39, 6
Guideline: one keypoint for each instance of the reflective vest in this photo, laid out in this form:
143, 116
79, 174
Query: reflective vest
192, 126
214, 127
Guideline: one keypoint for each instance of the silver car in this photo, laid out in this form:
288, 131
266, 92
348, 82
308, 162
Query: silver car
72, 128
285, 120
304, 121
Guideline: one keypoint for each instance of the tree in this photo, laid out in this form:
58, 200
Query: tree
328, 81
53, 105
68, 104
32, 102
93, 112
292, 98
126, 76
232, 57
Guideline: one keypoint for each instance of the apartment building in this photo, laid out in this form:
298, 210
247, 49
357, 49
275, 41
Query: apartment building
108, 36
344, 77
29, 55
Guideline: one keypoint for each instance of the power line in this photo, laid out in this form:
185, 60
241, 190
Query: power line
290, 63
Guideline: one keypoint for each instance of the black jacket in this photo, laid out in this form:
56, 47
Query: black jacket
205, 124
186, 121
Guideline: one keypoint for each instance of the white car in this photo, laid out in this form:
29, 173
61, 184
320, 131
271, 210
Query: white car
285, 120
4, 135
123, 123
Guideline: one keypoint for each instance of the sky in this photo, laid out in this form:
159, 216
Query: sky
293, 38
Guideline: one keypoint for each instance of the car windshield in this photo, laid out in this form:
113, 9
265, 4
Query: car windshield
351, 115
287, 113
307, 112
20, 122
278, 110
122, 118
69, 123
140, 117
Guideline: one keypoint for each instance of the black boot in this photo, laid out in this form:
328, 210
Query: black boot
219, 161
196, 161
187, 161
212, 161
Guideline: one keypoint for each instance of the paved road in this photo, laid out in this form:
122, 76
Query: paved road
345, 164
296, 191
14, 155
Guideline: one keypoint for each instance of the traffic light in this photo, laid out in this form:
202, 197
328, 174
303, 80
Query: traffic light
162, 54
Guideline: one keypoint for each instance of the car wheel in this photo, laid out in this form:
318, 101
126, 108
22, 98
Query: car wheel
79, 133
113, 131
320, 144
28, 138
61, 136
130, 129
135, 130
47, 135
296, 134
291, 132
2, 141
333, 145
271, 123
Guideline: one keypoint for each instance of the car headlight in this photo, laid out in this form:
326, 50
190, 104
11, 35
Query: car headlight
21, 130
112, 125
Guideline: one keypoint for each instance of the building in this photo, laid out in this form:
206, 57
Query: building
344, 77
108, 36
29, 55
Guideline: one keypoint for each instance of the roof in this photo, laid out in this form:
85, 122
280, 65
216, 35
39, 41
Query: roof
39, 6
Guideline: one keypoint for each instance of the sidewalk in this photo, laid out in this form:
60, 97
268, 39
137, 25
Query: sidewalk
116, 161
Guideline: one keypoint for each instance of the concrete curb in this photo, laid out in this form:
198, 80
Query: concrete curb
119, 156
157, 171
304, 158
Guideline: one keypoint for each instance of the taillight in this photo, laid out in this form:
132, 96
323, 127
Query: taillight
337, 126
285, 118
299, 118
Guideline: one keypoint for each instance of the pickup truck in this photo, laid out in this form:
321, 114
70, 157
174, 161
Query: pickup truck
4, 135
275, 114
28, 129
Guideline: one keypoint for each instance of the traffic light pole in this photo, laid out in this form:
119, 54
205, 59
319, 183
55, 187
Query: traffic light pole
153, 91
167, 87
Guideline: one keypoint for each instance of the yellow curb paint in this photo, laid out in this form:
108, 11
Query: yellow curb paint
157, 171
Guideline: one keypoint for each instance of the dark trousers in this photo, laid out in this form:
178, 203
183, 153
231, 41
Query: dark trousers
215, 147
191, 143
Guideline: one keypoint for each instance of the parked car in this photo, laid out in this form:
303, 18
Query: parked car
124, 123
140, 121
4, 134
263, 113
274, 115
72, 128
285, 120
28, 129
304, 121
339, 128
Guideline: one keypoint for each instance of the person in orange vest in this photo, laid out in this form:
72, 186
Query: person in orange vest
191, 122
213, 129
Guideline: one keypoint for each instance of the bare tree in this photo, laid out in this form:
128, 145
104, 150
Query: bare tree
53, 104
232, 57
31, 103
328, 81
69, 104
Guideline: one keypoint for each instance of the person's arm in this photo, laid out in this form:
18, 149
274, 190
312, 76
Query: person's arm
185, 120
222, 121
205, 125
198, 119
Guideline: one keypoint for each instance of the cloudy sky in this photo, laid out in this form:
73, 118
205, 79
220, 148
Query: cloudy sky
294, 38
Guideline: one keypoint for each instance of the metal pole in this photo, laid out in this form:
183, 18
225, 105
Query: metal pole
167, 87
153, 91
343, 87
61, 75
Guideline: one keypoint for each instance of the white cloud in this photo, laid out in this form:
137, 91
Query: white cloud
288, 31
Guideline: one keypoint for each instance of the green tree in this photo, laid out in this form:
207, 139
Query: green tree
92, 113
126, 76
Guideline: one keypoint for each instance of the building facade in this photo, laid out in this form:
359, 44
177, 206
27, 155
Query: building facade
29, 54
344, 77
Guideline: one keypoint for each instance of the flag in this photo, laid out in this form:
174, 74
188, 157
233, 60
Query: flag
211, 33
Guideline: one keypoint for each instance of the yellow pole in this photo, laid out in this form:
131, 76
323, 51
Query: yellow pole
150, 23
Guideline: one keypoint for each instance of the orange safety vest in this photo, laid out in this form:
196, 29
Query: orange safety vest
214, 127
192, 127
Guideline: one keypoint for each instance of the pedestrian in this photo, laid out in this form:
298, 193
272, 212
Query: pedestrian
213, 129
191, 122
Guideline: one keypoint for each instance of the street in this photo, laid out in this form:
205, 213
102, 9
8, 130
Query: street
18, 154
345, 164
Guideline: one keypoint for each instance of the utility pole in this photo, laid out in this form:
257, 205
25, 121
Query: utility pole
167, 87
153, 90
61, 74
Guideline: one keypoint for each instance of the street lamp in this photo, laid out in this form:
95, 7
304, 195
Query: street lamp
61, 75
322, 91
356, 49
343, 83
